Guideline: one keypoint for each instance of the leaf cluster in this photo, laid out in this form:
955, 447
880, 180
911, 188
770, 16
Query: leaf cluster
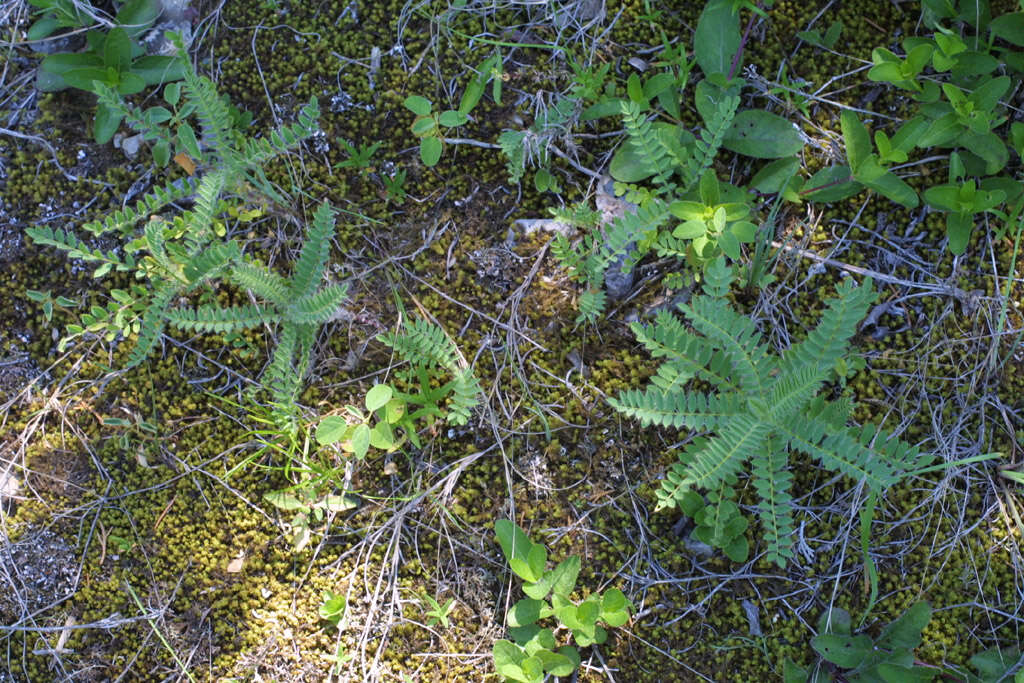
531, 655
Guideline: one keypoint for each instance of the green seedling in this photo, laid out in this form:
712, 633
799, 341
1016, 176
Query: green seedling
359, 157
763, 406
394, 185
357, 431
967, 120
712, 227
961, 201
309, 508
438, 613
901, 72
534, 653
332, 608
429, 125
826, 41
870, 169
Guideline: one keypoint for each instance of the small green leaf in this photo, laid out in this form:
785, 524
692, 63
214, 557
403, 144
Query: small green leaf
470, 97
117, 49
614, 607
418, 105
831, 184
331, 430
187, 139
525, 612
845, 651
561, 580
378, 396
657, 84
774, 175
858, 143
424, 126
905, 632
161, 153
451, 118
107, 122
430, 151
138, 15
689, 230
336, 503
525, 558
1009, 27
635, 90
360, 440
42, 28
172, 93
508, 659
284, 501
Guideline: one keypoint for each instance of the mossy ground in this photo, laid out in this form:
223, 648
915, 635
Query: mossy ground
170, 517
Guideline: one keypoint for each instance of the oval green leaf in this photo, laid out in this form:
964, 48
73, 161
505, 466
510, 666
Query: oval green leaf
763, 135
430, 150
331, 430
378, 396
417, 105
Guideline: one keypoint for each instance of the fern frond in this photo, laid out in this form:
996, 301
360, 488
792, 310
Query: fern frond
263, 283
591, 303
76, 248
511, 143
211, 261
425, 344
772, 480
676, 484
693, 410
706, 148
157, 245
637, 227
465, 397
280, 376
318, 307
646, 142
792, 391
718, 278
737, 336
207, 203
258, 151
309, 268
123, 220
738, 439
568, 257
837, 450
216, 319
213, 113
828, 342
152, 323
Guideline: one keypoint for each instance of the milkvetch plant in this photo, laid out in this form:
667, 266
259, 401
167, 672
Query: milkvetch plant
763, 407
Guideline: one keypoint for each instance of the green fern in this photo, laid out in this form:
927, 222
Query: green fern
648, 145
183, 253
428, 349
710, 141
764, 407
219, 320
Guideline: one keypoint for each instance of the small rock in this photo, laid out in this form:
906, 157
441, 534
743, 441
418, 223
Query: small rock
130, 146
